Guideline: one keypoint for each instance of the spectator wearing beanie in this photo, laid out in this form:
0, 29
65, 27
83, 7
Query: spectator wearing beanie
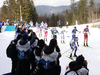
49, 58
23, 47
17, 33
38, 51
14, 58
37, 54
53, 44
78, 67
32, 48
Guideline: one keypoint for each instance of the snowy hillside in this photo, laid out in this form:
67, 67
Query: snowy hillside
92, 55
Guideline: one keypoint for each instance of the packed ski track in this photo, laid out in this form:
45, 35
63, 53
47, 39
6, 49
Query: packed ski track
91, 53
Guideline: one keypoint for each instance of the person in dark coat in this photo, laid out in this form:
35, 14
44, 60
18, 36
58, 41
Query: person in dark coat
32, 48
49, 58
38, 53
14, 54
78, 67
23, 47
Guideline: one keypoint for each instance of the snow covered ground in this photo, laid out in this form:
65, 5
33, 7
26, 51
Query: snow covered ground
92, 55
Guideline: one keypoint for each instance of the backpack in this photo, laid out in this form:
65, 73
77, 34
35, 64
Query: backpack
11, 50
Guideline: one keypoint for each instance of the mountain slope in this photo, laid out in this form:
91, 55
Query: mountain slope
43, 9
48, 10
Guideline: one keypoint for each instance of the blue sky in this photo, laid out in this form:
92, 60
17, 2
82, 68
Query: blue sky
47, 2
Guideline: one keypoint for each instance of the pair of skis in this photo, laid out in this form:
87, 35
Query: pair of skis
88, 47
63, 43
72, 58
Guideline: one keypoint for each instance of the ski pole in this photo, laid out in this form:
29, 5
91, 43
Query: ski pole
65, 51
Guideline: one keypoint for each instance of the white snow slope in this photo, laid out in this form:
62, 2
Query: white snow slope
92, 55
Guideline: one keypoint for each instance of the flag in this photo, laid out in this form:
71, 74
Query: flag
24, 26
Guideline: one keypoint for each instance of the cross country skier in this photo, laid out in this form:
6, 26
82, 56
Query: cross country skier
45, 33
37, 27
86, 31
55, 33
51, 32
40, 31
63, 36
74, 46
74, 32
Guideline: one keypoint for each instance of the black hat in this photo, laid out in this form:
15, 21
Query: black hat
25, 36
80, 59
41, 43
72, 65
53, 42
18, 30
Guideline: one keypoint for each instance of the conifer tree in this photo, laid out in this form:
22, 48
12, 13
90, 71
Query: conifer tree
82, 11
91, 11
73, 13
4, 12
20, 8
33, 12
53, 21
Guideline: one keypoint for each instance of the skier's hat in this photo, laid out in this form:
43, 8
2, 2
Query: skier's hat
75, 27
87, 26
